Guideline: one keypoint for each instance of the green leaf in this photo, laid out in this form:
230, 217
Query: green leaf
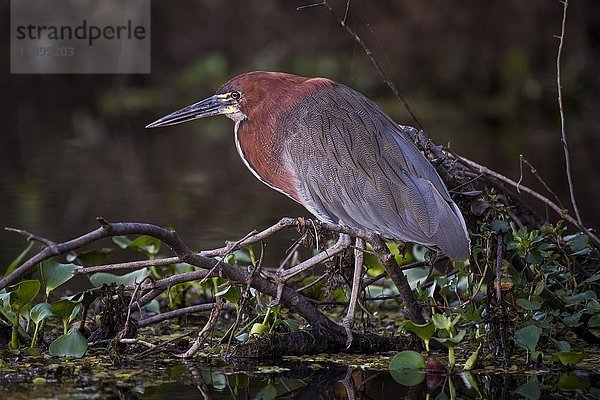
40, 312
84, 298
407, 368
442, 321
452, 341
499, 225
292, 324
25, 292
579, 297
63, 308
269, 392
530, 390
146, 244
55, 274
562, 345
569, 357
121, 241
91, 257
153, 306
528, 337
17, 261
258, 329
572, 382
401, 258
73, 344
471, 362
132, 278
529, 304
594, 322
231, 293
423, 331
577, 242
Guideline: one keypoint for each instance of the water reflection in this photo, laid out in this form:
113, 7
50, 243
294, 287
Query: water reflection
309, 381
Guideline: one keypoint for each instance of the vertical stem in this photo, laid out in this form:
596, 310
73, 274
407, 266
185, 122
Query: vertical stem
498, 285
35, 335
14, 337
562, 114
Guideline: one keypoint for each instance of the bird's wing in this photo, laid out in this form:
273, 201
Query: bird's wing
356, 166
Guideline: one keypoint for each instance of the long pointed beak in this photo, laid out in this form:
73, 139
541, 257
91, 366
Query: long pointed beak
213, 105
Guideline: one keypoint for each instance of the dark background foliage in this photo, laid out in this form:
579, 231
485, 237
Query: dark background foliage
480, 75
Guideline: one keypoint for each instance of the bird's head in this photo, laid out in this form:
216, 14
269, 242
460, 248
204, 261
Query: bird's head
241, 97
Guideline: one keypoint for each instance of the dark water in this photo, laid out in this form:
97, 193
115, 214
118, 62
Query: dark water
287, 380
73, 147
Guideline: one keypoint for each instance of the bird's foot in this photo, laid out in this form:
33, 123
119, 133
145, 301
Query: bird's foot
347, 324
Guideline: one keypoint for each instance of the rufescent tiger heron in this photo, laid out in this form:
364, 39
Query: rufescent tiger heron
338, 154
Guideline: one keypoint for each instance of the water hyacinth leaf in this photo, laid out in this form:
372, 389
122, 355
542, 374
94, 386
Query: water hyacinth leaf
529, 304
55, 274
580, 297
471, 362
442, 321
146, 244
402, 258
594, 322
562, 345
454, 340
416, 276
423, 331
24, 292
91, 257
132, 278
577, 242
63, 308
530, 390
84, 298
572, 382
292, 324
258, 329
499, 225
121, 241
569, 357
591, 279
407, 368
18, 260
40, 312
231, 293
153, 307
73, 344
269, 392
528, 337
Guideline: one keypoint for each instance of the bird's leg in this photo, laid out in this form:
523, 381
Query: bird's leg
283, 276
348, 321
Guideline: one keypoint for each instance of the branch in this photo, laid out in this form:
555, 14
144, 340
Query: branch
562, 114
561, 212
182, 311
235, 273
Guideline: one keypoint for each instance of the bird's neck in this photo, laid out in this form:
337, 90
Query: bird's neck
262, 153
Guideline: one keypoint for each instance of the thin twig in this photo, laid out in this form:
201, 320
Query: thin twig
540, 180
562, 114
561, 212
369, 54
182, 311
203, 334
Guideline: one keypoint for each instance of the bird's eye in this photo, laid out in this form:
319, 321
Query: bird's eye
236, 95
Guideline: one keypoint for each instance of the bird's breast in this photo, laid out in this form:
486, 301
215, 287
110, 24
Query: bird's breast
262, 153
